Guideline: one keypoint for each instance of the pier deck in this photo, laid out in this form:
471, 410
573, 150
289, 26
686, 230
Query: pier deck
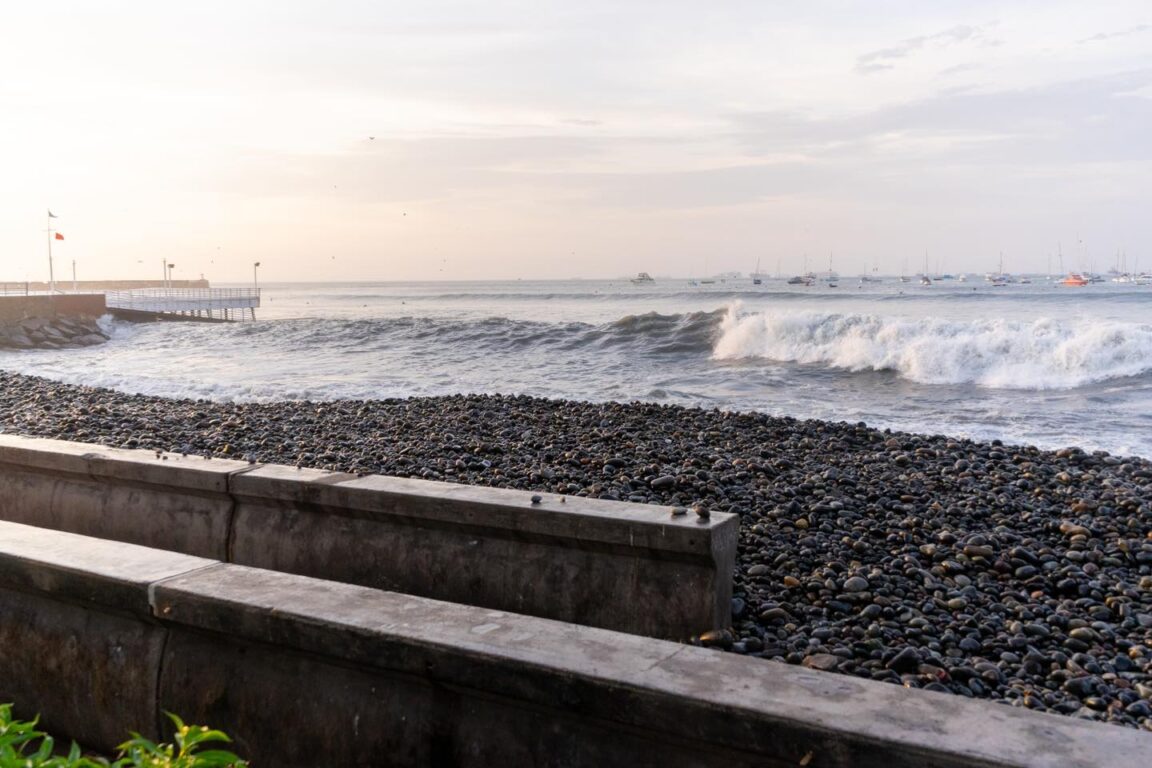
220, 305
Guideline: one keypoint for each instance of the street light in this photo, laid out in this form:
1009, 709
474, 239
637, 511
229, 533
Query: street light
170, 267
255, 281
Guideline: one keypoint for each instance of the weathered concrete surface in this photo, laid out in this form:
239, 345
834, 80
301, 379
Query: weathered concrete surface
105, 285
486, 686
14, 308
111, 574
307, 672
629, 567
359, 718
77, 643
88, 673
169, 502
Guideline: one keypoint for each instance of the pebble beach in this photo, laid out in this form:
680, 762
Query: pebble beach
976, 569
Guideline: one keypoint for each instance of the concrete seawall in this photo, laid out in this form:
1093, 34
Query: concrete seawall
103, 285
628, 567
16, 308
100, 637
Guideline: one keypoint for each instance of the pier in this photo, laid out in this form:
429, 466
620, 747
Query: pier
210, 305
140, 300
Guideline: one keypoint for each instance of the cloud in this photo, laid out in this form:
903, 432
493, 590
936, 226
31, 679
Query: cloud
967, 145
1139, 28
959, 69
882, 59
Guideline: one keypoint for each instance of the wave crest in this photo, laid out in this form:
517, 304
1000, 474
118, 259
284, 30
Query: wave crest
996, 353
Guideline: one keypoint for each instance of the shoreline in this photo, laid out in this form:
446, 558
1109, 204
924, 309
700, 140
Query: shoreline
983, 570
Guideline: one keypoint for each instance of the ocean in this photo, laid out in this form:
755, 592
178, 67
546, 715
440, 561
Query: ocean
1040, 364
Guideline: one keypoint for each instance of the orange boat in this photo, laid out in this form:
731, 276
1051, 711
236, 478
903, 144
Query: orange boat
1074, 278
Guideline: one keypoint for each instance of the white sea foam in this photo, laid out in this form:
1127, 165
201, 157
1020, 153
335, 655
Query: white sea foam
949, 367
994, 353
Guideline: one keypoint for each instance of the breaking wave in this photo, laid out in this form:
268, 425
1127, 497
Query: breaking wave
995, 353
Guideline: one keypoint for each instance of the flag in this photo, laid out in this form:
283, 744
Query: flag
59, 236
52, 215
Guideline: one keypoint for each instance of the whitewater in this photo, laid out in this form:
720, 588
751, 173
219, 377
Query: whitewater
1041, 364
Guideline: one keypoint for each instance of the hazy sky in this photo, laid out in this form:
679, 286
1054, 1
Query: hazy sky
386, 140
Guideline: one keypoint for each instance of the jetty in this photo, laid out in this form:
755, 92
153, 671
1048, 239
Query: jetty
209, 305
149, 300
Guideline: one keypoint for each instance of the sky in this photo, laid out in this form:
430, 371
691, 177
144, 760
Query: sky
357, 140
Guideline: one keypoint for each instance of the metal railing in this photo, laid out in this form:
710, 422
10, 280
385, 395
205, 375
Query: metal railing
183, 299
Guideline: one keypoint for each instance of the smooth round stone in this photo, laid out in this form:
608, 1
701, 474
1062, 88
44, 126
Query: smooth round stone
717, 638
907, 660
855, 584
774, 614
1075, 645
826, 662
1081, 686
1139, 708
1096, 703
1037, 630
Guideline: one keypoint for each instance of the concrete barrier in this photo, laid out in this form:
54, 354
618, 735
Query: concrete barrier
307, 672
79, 645
629, 567
16, 307
170, 502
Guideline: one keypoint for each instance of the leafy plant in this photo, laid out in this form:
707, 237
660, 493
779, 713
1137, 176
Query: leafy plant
23, 746
187, 752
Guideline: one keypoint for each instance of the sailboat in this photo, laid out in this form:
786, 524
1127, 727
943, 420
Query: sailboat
924, 278
832, 277
756, 279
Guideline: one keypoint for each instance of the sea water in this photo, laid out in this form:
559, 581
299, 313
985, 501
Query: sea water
1039, 363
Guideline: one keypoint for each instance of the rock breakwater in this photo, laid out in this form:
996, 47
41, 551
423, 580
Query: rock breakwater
51, 333
982, 570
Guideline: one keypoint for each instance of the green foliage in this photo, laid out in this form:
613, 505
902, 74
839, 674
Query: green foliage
22, 746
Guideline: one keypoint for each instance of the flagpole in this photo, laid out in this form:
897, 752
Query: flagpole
51, 272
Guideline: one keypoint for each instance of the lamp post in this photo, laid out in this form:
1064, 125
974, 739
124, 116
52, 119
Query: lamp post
171, 266
255, 279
